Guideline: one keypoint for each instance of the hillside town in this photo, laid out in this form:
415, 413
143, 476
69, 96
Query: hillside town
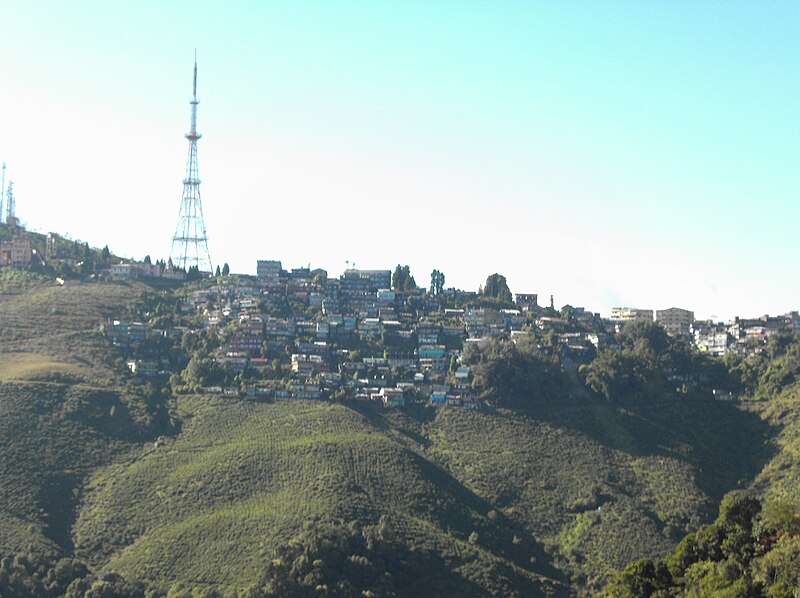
375, 336
367, 335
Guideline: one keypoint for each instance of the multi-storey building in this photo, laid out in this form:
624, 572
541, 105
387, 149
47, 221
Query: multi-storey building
268, 270
676, 321
359, 288
16, 252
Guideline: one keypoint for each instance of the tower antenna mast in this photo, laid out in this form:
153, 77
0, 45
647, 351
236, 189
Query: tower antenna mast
190, 242
2, 192
11, 217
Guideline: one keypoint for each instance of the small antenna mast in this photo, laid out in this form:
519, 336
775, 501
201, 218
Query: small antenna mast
194, 87
2, 191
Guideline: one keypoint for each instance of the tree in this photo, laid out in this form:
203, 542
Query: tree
193, 273
226, 269
513, 374
146, 260
105, 255
497, 288
402, 279
640, 579
437, 283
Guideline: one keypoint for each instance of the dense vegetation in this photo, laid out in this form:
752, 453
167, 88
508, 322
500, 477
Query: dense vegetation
744, 552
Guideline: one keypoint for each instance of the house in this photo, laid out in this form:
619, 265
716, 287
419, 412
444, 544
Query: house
264, 392
369, 326
359, 288
439, 393
462, 373
431, 351
147, 369
392, 397
306, 391
512, 319
306, 365
125, 271
125, 333
427, 333
712, 340
527, 300
15, 252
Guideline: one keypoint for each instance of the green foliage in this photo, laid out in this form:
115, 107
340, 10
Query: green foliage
437, 283
740, 554
766, 374
339, 559
514, 374
650, 364
496, 287
640, 579
242, 477
402, 279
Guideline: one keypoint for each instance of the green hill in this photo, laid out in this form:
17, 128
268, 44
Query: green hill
199, 491
63, 408
211, 505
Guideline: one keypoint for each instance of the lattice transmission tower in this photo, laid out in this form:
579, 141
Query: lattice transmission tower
190, 243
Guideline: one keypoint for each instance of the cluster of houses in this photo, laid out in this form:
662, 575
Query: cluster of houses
742, 336
355, 337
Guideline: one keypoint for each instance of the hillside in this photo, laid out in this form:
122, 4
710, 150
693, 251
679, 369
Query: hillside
209, 506
64, 408
203, 491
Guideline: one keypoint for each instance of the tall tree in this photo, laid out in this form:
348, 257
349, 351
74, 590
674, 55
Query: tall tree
402, 279
437, 282
497, 287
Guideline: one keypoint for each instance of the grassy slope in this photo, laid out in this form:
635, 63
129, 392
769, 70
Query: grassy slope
601, 485
62, 412
211, 505
780, 478
597, 485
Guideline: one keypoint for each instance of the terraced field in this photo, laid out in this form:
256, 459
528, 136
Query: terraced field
241, 479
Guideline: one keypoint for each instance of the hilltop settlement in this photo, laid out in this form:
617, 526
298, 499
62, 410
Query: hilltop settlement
367, 335
375, 336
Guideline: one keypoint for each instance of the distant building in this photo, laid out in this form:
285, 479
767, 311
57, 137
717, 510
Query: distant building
360, 287
268, 270
527, 299
125, 271
631, 314
676, 321
16, 252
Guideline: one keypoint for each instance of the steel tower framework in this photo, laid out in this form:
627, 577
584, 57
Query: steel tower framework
190, 243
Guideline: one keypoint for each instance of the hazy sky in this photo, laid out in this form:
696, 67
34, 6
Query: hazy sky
610, 153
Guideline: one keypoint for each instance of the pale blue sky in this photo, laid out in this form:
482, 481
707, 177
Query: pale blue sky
609, 153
